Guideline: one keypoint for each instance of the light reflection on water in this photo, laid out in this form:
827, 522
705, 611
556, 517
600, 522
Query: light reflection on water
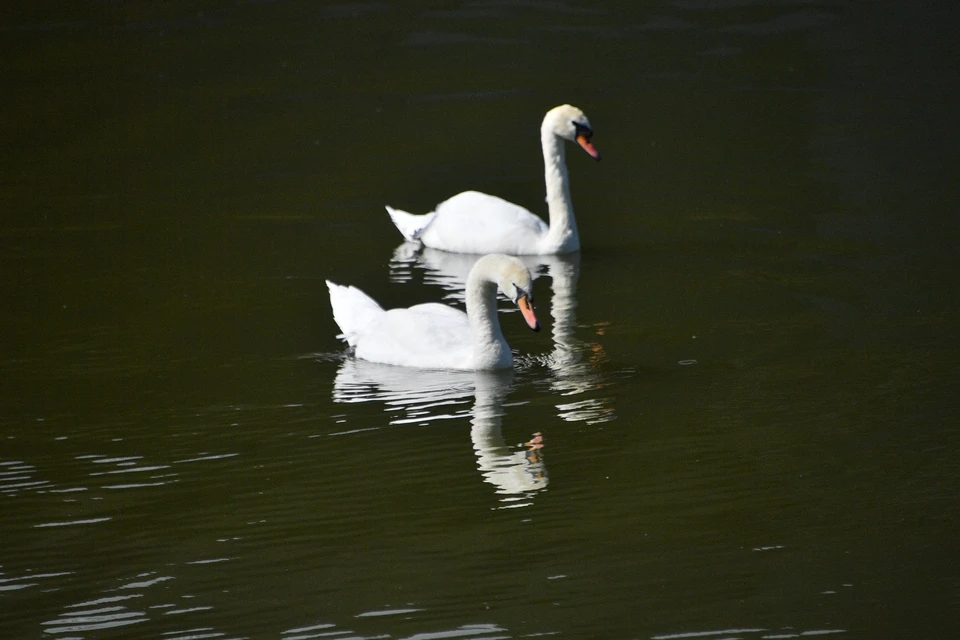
762, 634
423, 396
449, 271
414, 396
572, 364
78, 509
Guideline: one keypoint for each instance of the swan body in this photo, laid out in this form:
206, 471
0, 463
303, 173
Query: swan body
433, 335
474, 222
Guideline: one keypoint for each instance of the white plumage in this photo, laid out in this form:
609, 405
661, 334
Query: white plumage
474, 222
433, 335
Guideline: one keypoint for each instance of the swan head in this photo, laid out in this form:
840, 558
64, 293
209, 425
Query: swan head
514, 281
519, 288
570, 123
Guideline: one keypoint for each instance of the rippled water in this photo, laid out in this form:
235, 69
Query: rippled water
738, 422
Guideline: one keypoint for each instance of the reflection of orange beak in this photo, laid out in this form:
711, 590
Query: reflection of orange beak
588, 146
528, 313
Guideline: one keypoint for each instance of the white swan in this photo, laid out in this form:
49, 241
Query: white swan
474, 222
576, 365
434, 335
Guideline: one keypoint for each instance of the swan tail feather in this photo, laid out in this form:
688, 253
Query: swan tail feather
353, 310
410, 225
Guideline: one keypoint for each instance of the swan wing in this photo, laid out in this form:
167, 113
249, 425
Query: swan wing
429, 335
409, 224
353, 311
474, 222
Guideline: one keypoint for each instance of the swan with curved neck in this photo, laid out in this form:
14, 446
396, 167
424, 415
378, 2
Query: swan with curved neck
474, 222
433, 335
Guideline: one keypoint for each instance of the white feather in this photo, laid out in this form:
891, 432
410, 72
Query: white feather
434, 335
353, 311
474, 222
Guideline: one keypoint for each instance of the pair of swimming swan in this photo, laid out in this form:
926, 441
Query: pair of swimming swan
434, 335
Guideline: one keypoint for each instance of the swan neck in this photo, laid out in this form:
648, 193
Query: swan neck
489, 346
563, 233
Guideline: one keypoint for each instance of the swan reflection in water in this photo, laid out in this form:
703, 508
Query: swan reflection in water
418, 396
573, 364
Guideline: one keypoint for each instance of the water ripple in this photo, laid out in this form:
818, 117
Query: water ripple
70, 523
15, 584
301, 630
463, 631
725, 634
326, 631
17, 475
201, 633
424, 396
93, 620
146, 583
386, 612
203, 457
572, 365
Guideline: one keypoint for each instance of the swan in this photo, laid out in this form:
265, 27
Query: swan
474, 222
433, 335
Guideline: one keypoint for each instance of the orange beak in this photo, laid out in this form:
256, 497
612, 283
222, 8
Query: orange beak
588, 146
528, 313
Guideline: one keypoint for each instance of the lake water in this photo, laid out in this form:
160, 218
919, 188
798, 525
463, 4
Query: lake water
745, 390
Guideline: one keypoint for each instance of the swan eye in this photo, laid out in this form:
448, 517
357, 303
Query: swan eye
582, 130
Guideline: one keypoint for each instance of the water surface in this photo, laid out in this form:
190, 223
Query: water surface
739, 420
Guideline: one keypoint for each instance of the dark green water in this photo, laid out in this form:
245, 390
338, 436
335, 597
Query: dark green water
746, 386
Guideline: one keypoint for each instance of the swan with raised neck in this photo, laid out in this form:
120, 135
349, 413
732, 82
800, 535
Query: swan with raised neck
474, 222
